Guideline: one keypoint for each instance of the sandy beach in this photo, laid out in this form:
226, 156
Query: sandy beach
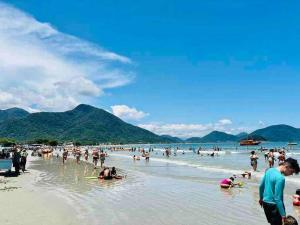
24, 204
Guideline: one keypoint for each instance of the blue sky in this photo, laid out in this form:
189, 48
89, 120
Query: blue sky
188, 65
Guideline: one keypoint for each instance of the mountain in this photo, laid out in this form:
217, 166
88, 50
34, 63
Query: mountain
172, 139
242, 135
85, 124
13, 113
280, 132
217, 136
193, 140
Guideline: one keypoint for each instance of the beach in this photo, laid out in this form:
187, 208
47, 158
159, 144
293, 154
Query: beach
182, 189
22, 203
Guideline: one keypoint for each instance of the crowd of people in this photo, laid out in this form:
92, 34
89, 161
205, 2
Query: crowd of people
271, 188
97, 156
18, 155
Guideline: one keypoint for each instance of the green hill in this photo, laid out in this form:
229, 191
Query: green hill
193, 140
85, 124
278, 133
242, 135
172, 139
13, 113
217, 136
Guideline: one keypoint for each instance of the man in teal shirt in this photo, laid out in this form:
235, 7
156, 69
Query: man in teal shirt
271, 190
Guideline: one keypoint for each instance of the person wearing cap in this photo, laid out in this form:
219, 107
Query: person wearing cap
271, 191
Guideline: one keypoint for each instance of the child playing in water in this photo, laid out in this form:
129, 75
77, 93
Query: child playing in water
227, 183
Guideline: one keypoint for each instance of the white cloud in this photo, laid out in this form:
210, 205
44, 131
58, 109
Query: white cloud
42, 68
179, 130
225, 122
127, 113
193, 130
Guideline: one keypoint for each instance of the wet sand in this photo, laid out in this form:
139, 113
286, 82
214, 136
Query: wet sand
24, 204
152, 193
155, 192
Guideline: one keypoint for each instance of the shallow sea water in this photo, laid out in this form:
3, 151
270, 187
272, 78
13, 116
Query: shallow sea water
181, 190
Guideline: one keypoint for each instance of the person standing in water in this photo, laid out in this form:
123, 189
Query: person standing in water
102, 158
266, 156
95, 157
86, 155
147, 156
271, 191
281, 157
78, 155
65, 155
271, 158
253, 160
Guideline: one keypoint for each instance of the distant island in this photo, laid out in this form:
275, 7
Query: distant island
86, 124
274, 133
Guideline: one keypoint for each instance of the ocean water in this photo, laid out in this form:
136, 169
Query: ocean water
181, 189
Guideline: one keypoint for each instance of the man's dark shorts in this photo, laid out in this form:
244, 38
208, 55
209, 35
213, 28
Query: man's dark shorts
272, 214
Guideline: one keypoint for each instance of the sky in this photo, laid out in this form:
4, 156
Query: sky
182, 68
